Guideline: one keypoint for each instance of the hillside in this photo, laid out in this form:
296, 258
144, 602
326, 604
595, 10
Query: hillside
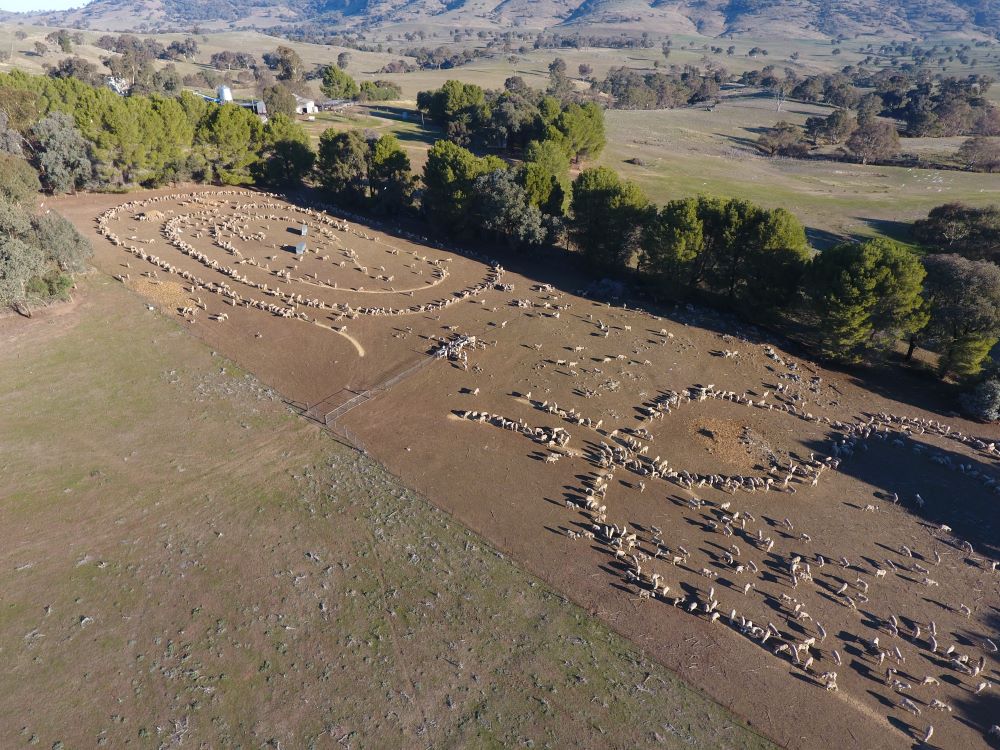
758, 18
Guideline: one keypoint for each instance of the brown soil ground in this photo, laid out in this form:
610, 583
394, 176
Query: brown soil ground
606, 361
186, 563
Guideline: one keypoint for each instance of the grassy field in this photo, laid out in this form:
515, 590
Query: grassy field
415, 137
691, 151
814, 56
363, 64
185, 562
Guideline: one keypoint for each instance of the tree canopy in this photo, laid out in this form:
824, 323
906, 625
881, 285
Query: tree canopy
607, 218
981, 154
62, 154
452, 101
983, 401
338, 84
546, 177
36, 251
286, 158
832, 129
279, 100
379, 91
231, 138
505, 210
752, 255
373, 173
511, 118
286, 63
390, 177
579, 129
784, 139
20, 181
963, 298
342, 165
449, 185
874, 140
866, 296
970, 231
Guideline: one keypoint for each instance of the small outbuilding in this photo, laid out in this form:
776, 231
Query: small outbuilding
303, 230
300, 248
305, 106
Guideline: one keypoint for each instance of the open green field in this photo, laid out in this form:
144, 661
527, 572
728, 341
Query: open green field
185, 563
691, 151
404, 122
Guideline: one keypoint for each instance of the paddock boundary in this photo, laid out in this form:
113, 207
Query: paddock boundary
351, 403
328, 420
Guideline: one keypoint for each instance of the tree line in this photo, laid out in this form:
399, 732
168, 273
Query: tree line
509, 119
855, 301
84, 137
678, 87
873, 109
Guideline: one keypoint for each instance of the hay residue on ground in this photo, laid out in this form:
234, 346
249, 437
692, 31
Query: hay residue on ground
169, 295
734, 442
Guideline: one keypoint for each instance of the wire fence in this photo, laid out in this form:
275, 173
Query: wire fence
330, 419
347, 437
387, 384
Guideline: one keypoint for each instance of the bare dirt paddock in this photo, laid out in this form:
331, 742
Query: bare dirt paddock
815, 556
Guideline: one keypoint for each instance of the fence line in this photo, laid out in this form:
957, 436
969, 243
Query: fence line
347, 436
345, 407
329, 420
387, 384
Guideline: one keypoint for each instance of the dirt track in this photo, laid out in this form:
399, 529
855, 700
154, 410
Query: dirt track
496, 481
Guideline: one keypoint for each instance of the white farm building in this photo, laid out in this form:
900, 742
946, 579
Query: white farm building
305, 106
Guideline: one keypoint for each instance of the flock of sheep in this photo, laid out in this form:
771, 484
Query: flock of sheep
774, 563
228, 218
757, 562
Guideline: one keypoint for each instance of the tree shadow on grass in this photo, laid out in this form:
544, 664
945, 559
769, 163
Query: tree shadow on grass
750, 143
406, 136
905, 385
896, 230
821, 239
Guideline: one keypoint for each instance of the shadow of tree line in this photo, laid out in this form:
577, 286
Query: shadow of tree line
949, 496
981, 712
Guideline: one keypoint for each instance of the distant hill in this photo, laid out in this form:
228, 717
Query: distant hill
717, 18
